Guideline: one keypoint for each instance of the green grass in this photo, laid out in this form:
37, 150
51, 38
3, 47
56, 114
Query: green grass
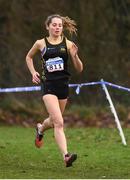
101, 155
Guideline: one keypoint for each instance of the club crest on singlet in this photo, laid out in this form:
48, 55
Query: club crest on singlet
55, 64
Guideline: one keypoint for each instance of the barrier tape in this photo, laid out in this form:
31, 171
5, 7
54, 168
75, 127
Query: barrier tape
117, 86
78, 87
20, 89
113, 110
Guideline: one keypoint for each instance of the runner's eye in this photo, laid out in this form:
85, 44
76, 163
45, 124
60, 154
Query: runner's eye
54, 25
60, 25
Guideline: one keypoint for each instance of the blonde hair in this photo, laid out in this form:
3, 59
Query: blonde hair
68, 24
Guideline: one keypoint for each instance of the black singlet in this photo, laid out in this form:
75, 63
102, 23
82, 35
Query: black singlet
54, 61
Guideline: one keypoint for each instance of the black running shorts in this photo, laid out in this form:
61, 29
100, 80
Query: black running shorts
58, 88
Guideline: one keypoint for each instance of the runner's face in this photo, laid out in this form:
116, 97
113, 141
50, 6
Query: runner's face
55, 27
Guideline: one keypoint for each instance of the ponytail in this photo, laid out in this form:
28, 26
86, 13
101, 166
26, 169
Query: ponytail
69, 25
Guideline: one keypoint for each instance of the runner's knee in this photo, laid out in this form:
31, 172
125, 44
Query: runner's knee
57, 121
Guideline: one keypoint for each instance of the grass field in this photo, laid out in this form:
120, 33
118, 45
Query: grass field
101, 155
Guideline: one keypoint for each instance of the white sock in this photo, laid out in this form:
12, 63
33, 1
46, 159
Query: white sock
39, 128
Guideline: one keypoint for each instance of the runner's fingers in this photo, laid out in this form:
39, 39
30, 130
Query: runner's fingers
35, 79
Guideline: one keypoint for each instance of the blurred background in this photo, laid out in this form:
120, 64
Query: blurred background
104, 47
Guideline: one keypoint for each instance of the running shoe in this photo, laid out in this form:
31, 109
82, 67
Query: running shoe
39, 137
69, 159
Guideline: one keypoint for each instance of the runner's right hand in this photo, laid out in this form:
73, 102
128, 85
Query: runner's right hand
36, 78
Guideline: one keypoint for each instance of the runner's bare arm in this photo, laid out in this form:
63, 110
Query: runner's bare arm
73, 49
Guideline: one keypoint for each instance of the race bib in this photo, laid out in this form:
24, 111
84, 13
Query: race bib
55, 64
